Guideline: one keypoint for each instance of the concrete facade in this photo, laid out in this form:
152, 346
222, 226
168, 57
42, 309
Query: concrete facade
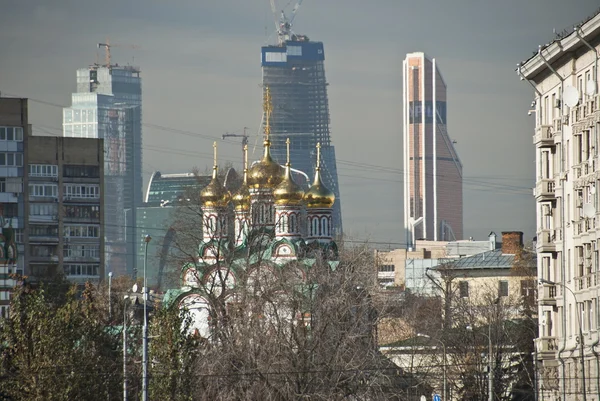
564, 77
64, 229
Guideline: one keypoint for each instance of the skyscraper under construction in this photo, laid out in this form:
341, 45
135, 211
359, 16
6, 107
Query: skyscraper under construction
108, 105
433, 197
294, 71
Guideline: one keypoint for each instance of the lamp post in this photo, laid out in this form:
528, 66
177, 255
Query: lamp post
110, 274
147, 240
126, 298
490, 364
583, 386
444, 366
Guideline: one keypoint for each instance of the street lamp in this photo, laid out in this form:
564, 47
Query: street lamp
126, 298
544, 281
444, 393
490, 365
147, 240
110, 274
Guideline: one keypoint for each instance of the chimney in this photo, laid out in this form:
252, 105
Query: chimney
512, 242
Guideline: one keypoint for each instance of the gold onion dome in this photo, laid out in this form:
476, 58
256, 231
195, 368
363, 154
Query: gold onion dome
241, 198
318, 195
288, 192
267, 173
215, 194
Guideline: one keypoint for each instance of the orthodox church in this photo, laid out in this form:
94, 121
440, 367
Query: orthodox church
270, 223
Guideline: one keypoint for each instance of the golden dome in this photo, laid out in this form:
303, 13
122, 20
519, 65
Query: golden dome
288, 192
267, 173
215, 194
318, 195
241, 198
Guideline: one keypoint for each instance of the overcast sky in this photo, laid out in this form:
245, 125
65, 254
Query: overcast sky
200, 63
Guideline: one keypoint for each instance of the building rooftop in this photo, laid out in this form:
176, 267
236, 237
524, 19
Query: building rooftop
171, 187
486, 260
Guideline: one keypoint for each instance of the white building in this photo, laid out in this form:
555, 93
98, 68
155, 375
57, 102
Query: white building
564, 76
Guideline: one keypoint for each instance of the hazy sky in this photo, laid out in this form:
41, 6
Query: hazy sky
200, 64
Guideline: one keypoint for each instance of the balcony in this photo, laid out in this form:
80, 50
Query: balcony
544, 190
545, 241
43, 239
586, 282
546, 345
547, 294
80, 199
543, 136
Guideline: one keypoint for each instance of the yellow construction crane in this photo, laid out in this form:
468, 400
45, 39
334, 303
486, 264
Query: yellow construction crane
107, 46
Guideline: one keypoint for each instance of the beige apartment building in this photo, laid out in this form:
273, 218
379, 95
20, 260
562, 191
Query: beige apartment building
566, 104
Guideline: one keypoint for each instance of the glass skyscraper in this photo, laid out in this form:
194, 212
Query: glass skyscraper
295, 74
433, 193
108, 105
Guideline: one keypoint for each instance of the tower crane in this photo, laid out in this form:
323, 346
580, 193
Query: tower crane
107, 46
284, 25
244, 136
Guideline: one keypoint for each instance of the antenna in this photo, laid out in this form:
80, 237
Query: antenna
571, 96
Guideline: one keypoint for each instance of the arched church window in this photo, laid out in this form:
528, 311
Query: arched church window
324, 230
315, 227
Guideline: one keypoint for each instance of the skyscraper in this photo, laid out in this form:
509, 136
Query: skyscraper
294, 71
433, 199
108, 105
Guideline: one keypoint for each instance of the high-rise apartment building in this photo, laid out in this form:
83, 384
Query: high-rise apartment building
108, 105
51, 203
294, 71
433, 197
566, 106
64, 230
14, 131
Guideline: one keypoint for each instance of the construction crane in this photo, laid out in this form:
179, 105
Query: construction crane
284, 25
244, 137
107, 47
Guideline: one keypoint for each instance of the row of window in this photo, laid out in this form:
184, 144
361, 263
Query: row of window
76, 211
386, 268
81, 270
51, 170
11, 159
43, 170
70, 190
51, 209
82, 191
82, 251
82, 231
11, 134
46, 190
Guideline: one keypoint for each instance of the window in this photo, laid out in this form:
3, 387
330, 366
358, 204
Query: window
11, 134
45, 190
43, 170
11, 159
9, 210
387, 268
2, 184
81, 270
463, 287
43, 231
81, 191
82, 251
82, 231
81, 171
503, 288
43, 209
83, 212
43, 250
